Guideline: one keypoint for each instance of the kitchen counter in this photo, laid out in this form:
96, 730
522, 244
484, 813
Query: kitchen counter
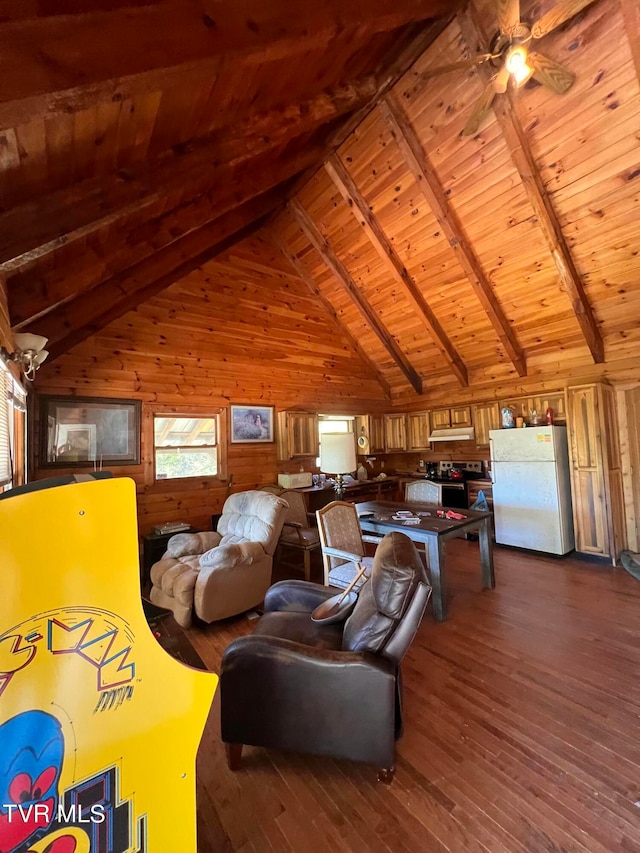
360, 490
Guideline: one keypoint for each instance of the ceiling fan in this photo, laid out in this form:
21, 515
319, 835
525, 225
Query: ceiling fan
511, 55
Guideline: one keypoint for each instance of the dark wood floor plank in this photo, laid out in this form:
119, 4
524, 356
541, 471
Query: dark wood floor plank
521, 736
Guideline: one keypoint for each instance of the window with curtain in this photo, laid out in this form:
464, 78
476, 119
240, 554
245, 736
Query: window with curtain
5, 434
13, 407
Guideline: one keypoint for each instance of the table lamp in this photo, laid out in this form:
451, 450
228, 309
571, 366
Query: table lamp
338, 456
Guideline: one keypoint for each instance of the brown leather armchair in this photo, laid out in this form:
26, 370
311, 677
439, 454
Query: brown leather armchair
327, 689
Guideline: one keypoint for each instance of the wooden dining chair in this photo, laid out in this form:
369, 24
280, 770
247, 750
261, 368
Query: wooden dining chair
299, 532
342, 543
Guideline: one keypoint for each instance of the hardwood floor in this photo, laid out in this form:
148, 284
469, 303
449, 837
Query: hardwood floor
522, 730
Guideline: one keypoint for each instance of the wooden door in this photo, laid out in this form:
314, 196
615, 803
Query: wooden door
612, 470
376, 434
418, 431
303, 434
440, 419
629, 426
460, 416
395, 432
485, 418
588, 492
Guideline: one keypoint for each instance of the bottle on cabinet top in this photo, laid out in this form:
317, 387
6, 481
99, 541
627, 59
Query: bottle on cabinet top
549, 416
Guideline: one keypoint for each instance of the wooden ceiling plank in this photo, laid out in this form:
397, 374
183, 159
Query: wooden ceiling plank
92, 310
386, 251
519, 148
43, 72
425, 176
303, 274
338, 269
33, 230
27, 303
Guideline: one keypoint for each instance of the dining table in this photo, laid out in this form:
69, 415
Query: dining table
433, 526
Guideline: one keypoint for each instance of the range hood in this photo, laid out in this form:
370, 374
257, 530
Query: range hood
453, 434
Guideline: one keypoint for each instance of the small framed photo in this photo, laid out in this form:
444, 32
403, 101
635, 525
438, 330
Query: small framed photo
251, 424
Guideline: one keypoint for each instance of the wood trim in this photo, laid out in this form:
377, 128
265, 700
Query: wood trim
428, 181
33, 230
330, 259
385, 250
43, 72
301, 271
91, 311
524, 161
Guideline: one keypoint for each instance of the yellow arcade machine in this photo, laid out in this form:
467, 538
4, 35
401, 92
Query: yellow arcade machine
99, 726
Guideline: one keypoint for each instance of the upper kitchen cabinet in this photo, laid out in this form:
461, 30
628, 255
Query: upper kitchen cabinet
297, 435
371, 427
486, 417
458, 416
598, 501
395, 432
418, 431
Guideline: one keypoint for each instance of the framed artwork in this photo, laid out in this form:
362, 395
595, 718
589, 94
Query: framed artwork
89, 432
251, 424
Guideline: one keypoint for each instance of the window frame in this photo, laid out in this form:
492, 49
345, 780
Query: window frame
219, 415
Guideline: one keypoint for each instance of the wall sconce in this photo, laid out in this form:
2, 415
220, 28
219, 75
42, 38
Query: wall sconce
30, 353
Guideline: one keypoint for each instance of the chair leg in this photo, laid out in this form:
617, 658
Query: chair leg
386, 774
234, 754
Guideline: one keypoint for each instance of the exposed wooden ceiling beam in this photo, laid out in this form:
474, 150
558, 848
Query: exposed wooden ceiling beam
330, 259
302, 272
520, 150
90, 312
429, 182
136, 49
33, 298
631, 14
35, 229
385, 250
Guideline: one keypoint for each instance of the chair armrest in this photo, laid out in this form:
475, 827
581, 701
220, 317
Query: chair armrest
279, 693
349, 556
190, 544
295, 524
236, 554
295, 595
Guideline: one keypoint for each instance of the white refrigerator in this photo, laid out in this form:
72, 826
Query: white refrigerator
531, 488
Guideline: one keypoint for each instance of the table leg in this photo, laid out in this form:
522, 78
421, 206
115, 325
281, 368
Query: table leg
486, 554
438, 580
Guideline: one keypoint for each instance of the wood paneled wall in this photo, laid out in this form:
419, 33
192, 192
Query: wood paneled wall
241, 329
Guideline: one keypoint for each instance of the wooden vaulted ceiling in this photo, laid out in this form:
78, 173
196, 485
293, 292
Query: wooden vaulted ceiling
442, 261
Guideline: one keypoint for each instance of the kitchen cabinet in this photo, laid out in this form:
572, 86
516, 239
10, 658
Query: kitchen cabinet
484, 486
485, 418
596, 473
372, 427
297, 435
418, 431
458, 416
395, 433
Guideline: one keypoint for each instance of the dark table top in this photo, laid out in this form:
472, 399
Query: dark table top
381, 512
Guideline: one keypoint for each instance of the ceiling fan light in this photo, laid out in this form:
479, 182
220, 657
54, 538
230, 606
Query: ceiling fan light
516, 64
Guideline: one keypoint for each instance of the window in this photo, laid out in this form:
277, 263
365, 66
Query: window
186, 446
333, 423
12, 430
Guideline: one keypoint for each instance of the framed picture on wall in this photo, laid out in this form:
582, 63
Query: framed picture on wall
89, 432
251, 424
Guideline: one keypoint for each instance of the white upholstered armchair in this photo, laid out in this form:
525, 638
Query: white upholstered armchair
219, 574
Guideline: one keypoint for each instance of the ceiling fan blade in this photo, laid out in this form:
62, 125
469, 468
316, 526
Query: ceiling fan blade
481, 109
546, 71
455, 66
508, 15
560, 13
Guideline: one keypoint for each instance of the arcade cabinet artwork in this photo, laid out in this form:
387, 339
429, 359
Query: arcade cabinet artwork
99, 727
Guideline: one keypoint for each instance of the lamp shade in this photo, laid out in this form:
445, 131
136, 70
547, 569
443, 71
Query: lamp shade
25, 341
337, 452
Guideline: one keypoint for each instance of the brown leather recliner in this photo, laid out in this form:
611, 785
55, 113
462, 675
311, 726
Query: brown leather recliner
327, 689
